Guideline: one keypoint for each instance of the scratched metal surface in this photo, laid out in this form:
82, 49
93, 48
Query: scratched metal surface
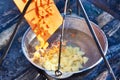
16, 66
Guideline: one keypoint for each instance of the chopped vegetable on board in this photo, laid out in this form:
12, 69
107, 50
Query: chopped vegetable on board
43, 18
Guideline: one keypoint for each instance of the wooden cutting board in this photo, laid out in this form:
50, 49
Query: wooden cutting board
42, 16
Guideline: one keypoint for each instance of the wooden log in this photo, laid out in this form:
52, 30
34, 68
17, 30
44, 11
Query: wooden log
102, 76
115, 27
102, 4
104, 18
5, 35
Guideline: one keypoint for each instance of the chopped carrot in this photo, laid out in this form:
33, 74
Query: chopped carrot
72, 35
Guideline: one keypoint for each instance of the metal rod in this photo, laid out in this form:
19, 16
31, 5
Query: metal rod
78, 8
57, 72
14, 32
96, 40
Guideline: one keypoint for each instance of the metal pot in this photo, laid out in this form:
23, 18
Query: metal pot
83, 39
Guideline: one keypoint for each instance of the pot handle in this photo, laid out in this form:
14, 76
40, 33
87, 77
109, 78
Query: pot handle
64, 75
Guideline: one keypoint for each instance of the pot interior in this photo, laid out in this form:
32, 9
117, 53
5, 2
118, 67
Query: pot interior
82, 38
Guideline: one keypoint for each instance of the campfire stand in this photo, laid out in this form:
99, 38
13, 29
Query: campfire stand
79, 6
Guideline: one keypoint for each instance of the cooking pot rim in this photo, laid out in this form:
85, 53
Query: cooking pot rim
71, 73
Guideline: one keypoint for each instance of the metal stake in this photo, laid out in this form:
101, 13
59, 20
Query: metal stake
14, 32
58, 72
96, 40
